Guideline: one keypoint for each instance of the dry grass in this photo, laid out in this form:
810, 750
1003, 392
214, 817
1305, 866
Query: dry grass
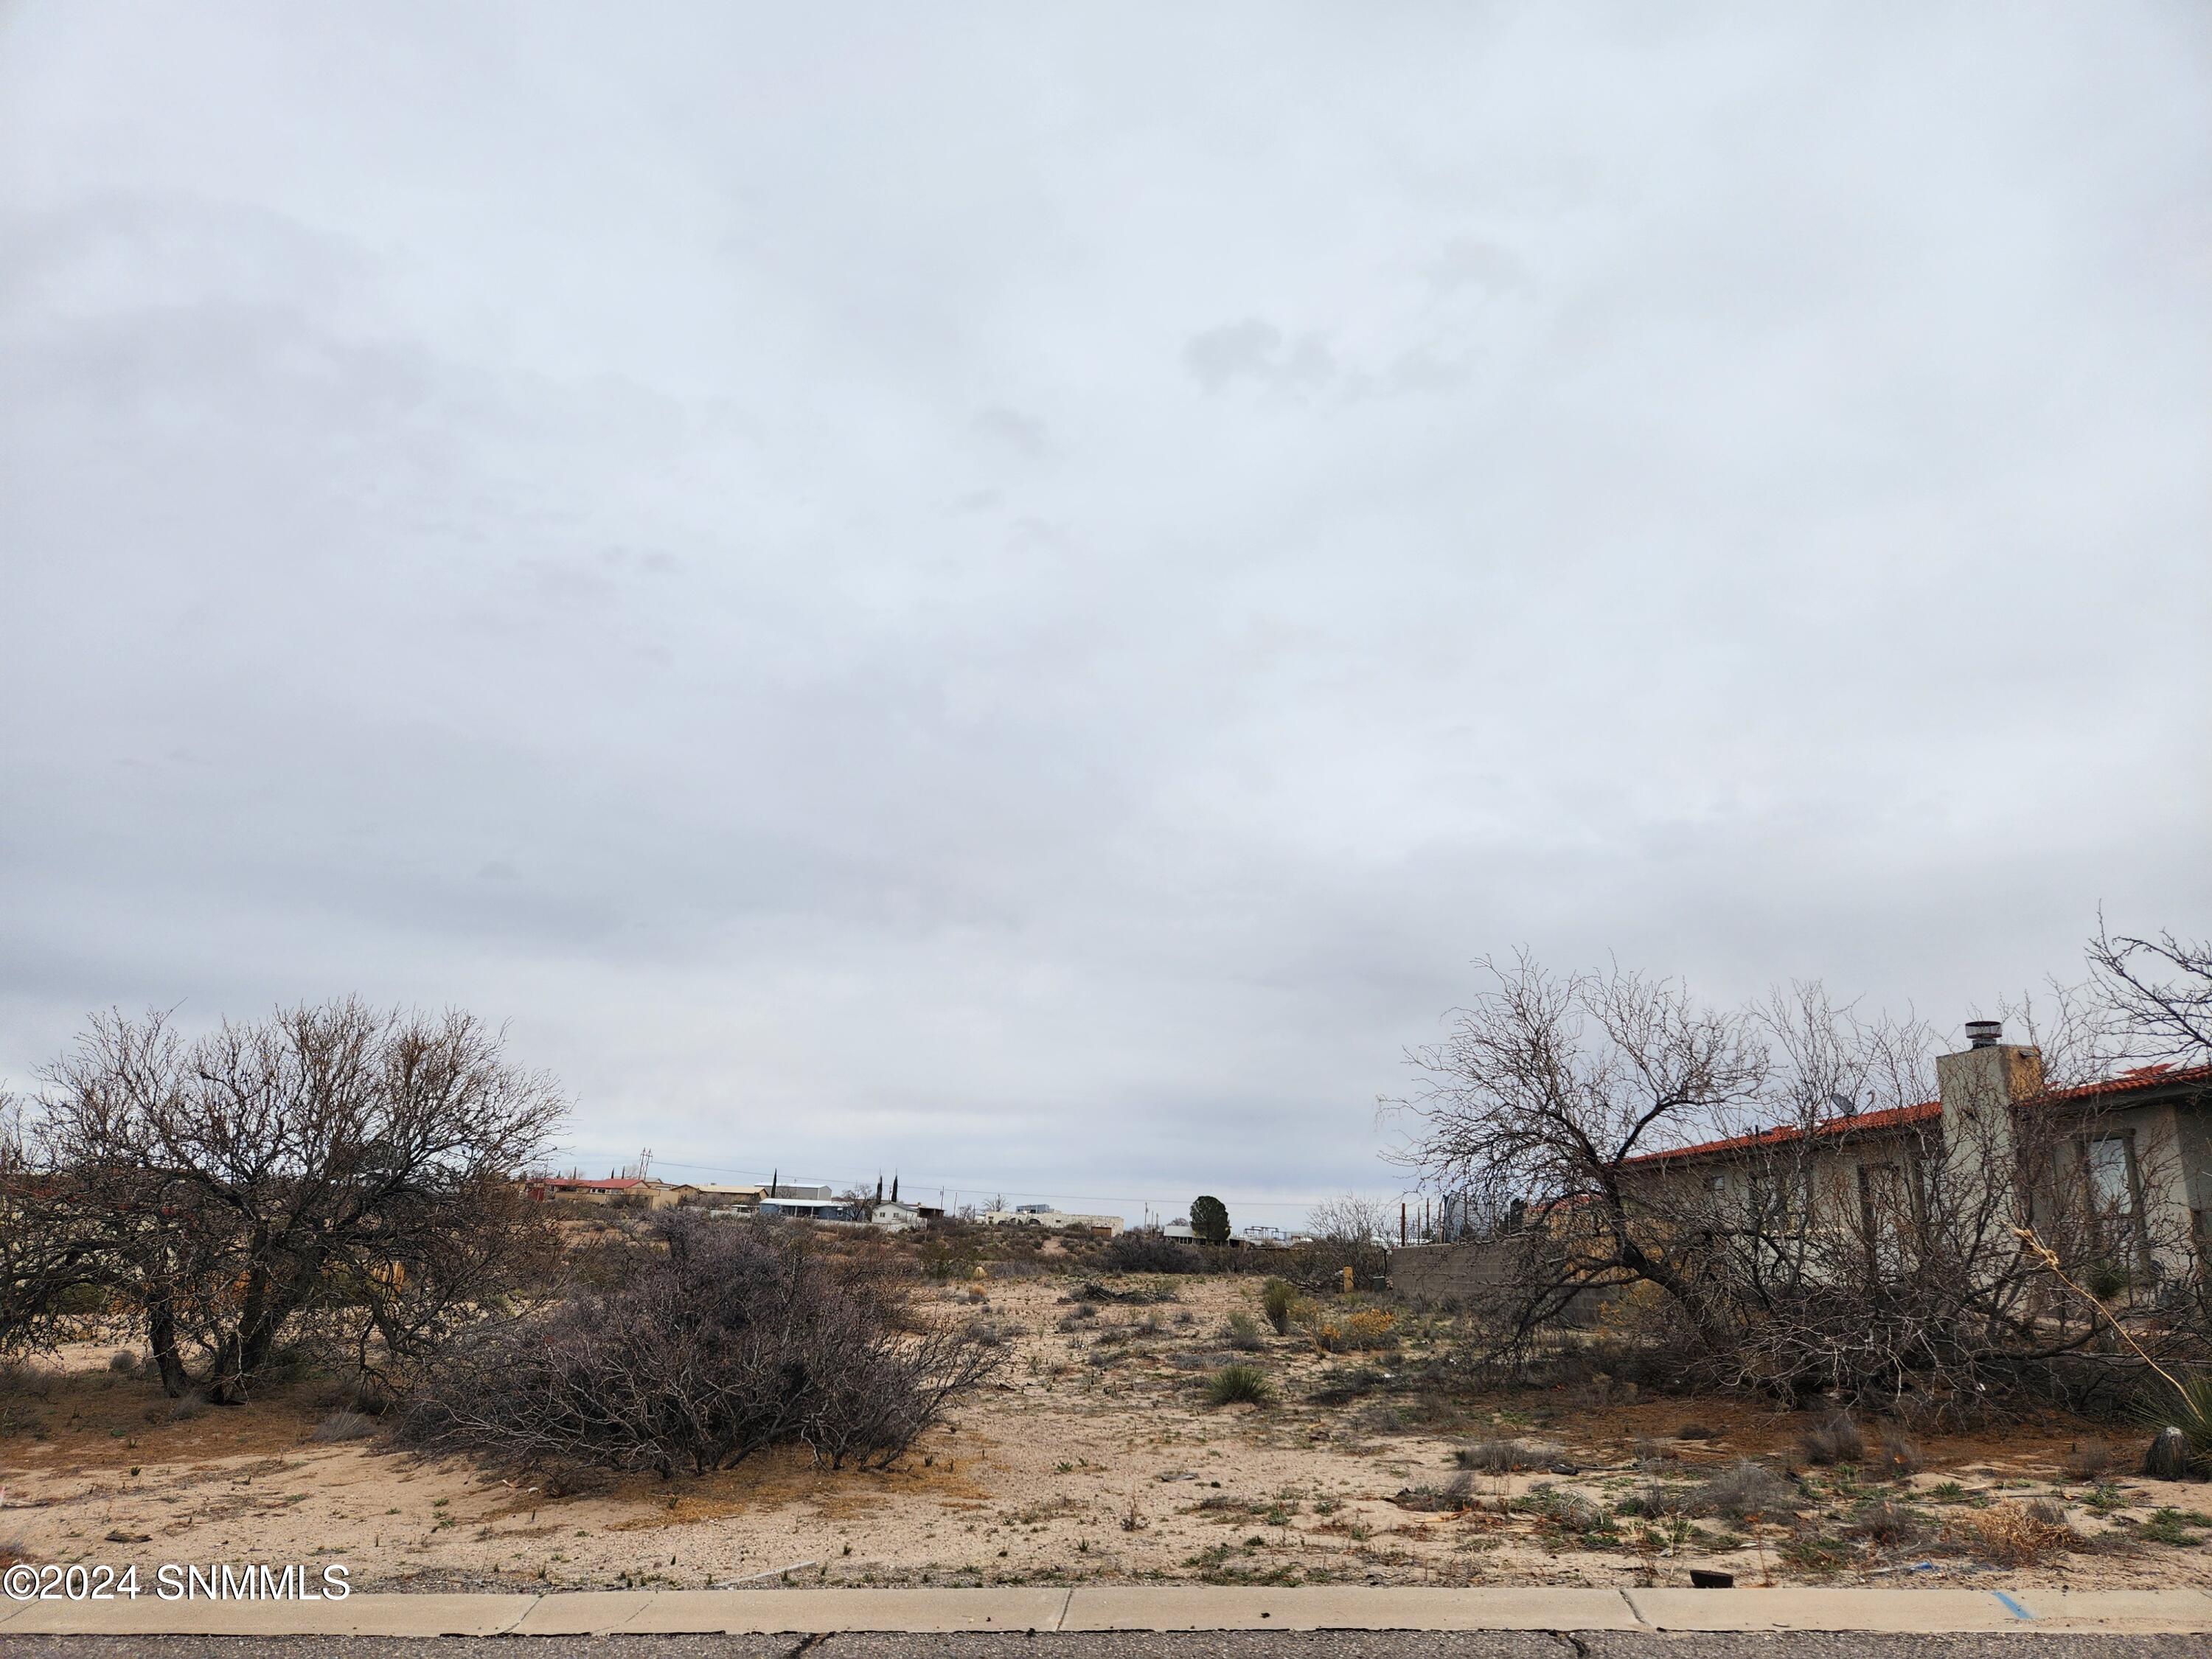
1745, 1489
342, 1426
2022, 1534
1835, 1441
1894, 1454
2093, 1460
1243, 1334
1502, 1456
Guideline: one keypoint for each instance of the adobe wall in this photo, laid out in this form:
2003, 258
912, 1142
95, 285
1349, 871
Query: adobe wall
1446, 1272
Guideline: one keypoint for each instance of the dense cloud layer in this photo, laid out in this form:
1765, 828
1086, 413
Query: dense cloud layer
1015, 597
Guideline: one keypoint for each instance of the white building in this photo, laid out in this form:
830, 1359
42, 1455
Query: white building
1044, 1215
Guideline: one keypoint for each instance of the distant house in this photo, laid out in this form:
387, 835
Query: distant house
824, 1208
1052, 1220
720, 1196
885, 1214
651, 1195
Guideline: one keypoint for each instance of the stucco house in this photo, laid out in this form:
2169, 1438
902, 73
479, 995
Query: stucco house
2117, 1172
2126, 1161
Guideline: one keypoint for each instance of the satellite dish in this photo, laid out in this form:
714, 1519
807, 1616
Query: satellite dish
1845, 1105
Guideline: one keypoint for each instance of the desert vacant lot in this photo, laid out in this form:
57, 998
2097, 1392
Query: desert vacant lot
1098, 1457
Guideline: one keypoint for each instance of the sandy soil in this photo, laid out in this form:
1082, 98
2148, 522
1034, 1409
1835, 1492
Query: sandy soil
1096, 1458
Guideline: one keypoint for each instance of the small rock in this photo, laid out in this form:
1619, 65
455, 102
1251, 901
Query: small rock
2168, 1456
1566, 1468
117, 1535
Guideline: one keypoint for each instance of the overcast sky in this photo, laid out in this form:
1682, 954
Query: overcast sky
1014, 592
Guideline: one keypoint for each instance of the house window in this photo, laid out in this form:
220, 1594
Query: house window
2115, 1184
1783, 1197
1887, 1212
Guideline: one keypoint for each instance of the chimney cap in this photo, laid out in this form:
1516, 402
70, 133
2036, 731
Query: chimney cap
1985, 1033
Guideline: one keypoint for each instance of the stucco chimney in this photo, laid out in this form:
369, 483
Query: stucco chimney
1990, 1072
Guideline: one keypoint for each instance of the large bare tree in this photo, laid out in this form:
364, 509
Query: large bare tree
335, 1169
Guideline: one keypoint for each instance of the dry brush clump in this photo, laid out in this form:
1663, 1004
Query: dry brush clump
1243, 1332
342, 1425
1745, 1489
2015, 1535
1501, 1454
728, 1339
1146, 1252
1838, 1440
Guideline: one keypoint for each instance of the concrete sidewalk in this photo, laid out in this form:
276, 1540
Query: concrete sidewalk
1100, 1608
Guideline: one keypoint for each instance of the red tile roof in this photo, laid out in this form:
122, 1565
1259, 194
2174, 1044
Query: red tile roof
1895, 1117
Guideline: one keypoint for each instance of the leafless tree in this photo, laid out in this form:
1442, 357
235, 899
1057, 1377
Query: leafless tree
1352, 1219
335, 1169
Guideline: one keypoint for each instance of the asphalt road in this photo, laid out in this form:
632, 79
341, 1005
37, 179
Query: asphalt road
1225, 1644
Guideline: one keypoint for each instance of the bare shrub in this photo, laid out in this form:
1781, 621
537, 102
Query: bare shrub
1895, 1454
1144, 1252
2093, 1460
1835, 1441
27, 1378
1243, 1334
123, 1361
733, 1338
186, 1406
1697, 1432
341, 1426
1456, 1494
1888, 1525
1500, 1455
1744, 1489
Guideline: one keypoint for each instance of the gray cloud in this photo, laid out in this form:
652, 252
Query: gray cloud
1018, 606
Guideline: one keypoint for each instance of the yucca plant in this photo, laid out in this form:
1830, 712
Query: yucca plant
2184, 1403
1238, 1385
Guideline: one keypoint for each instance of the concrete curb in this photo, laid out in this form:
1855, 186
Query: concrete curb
1134, 1608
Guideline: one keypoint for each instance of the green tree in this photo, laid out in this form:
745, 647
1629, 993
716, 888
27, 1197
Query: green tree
1209, 1219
